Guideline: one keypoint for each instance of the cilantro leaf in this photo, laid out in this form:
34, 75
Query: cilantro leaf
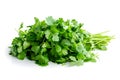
50, 20
55, 37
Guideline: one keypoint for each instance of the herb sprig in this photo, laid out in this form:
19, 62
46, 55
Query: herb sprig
58, 41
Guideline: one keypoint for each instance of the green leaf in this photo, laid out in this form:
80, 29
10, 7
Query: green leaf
50, 20
22, 33
17, 41
61, 60
43, 50
47, 34
81, 56
21, 56
19, 44
13, 51
64, 52
88, 46
77, 63
55, 37
31, 36
42, 60
26, 44
79, 48
72, 58
46, 45
37, 22
66, 42
19, 49
58, 48
21, 26
35, 49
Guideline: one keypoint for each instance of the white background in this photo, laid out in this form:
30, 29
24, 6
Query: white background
97, 16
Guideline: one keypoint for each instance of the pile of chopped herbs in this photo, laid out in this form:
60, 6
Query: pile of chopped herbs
57, 40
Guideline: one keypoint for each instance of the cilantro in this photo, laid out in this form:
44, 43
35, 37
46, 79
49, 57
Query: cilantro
50, 20
55, 37
58, 41
26, 44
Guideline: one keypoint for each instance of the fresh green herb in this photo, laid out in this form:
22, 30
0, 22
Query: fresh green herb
58, 41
